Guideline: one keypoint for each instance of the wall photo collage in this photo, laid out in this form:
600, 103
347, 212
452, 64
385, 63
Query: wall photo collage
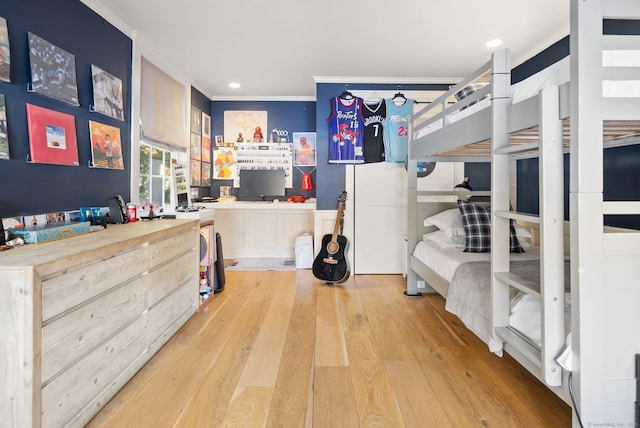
52, 134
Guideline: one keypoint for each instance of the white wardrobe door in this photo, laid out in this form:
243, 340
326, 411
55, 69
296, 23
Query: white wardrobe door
380, 218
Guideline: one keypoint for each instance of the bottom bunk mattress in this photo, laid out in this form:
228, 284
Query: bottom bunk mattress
469, 295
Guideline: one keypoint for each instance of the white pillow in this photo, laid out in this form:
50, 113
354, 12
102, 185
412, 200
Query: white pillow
521, 232
441, 238
449, 221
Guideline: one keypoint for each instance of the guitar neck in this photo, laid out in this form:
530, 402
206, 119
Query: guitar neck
336, 227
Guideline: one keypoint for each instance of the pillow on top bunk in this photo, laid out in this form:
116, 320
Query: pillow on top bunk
468, 90
477, 225
449, 221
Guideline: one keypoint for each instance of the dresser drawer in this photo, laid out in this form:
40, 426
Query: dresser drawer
67, 395
74, 286
68, 338
168, 313
164, 279
167, 249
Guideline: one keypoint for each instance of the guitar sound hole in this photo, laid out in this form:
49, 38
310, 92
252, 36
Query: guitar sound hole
332, 247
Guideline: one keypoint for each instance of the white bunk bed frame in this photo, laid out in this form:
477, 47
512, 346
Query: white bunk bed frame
604, 266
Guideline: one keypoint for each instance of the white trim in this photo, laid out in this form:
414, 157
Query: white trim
387, 80
261, 98
111, 17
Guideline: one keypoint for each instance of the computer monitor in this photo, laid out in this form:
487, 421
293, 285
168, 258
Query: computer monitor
261, 185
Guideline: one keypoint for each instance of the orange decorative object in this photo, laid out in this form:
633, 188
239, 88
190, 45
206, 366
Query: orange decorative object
257, 135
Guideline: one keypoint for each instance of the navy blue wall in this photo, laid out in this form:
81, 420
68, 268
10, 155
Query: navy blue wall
29, 188
293, 116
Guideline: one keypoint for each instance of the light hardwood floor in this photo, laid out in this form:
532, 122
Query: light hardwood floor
279, 349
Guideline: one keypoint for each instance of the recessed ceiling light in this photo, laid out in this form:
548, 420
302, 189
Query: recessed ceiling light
493, 43
234, 85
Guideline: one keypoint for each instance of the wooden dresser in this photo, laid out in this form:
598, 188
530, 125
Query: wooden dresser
80, 316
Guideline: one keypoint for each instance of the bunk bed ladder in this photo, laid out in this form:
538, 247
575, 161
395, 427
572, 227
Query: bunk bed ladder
550, 290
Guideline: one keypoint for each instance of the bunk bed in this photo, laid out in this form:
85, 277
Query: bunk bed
582, 104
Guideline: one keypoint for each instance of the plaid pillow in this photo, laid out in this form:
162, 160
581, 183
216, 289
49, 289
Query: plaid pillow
468, 90
476, 221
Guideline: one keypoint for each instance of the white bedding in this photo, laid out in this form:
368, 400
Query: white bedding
525, 310
445, 261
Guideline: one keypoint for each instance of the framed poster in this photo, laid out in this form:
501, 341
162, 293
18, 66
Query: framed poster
240, 126
5, 53
196, 147
206, 125
224, 163
53, 71
106, 146
107, 93
206, 174
4, 136
206, 149
195, 172
196, 120
52, 136
304, 148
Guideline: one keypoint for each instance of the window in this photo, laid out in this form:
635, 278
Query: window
155, 175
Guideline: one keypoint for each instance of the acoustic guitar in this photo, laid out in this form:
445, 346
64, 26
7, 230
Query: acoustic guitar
331, 263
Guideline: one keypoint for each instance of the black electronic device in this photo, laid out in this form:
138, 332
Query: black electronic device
117, 210
2, 240
261, 184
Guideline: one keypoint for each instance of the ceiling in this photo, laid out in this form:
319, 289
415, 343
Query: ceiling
275, 49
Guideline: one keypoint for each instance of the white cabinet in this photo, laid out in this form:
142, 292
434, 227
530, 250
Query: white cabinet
81, 315
262, 229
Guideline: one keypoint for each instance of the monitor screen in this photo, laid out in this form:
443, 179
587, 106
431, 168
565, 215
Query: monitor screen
259, 185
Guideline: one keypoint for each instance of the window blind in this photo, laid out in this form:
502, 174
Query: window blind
162, 108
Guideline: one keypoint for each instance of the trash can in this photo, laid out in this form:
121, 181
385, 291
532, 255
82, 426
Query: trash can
304, 251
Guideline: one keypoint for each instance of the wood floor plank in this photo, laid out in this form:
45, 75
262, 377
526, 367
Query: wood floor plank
334, 402
375, 400
263, 364
418, 402
383, 323
249, 407
331, 349
210, 399
292, 404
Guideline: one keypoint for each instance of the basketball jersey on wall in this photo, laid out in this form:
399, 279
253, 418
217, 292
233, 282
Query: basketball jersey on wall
346, 131
373, 141
396, 129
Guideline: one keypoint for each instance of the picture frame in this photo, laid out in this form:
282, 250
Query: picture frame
206, 149
304, 149
106, 146
239, 124
224, 163
52, 136
206, 125
196, 120
206, 174
4, 133
5, 52
219, 141
195, 173
196, 147
53, 71
107, 93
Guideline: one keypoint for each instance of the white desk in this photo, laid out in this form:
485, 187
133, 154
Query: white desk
261, 229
